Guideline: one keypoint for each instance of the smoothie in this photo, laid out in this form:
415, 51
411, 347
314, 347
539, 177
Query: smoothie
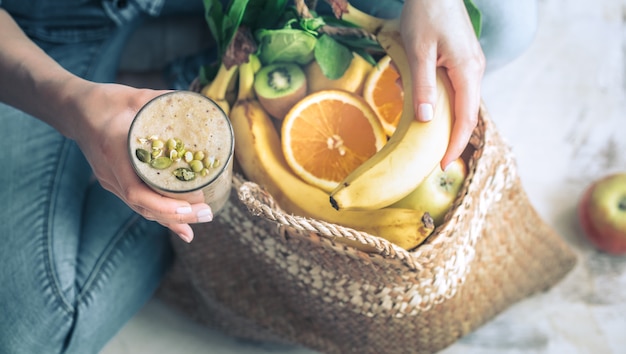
180, 142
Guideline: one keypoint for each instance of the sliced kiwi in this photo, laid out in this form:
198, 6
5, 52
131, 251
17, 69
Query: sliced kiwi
279, 86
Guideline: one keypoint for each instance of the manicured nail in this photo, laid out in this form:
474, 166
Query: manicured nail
205, 215
183, 210
425, 112
185, 237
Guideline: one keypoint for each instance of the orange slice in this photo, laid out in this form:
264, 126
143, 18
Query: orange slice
328, 134
382, 92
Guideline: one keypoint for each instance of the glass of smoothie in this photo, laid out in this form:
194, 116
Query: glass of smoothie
180, 142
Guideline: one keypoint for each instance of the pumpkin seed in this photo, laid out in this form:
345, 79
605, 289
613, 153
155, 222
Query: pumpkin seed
143, 155
161, 163
184, 174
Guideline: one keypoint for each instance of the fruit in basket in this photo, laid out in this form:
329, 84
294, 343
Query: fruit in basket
328, 134
382, 91
438, 191
413, 150
217, 89
351, 81
279, 86
602, 213
259, 153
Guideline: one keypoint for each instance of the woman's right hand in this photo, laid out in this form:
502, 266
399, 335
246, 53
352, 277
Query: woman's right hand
97, 117
101, 131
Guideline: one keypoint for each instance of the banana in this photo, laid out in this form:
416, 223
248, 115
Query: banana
259, 154
219, 87
352, 79
415, 148
369, 23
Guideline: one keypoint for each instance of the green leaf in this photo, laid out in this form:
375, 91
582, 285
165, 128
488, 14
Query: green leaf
233, 19
213, 15
265, 13
223, 26
367, 56
311, 24
285, 45
332, 57
359, 43
475, 16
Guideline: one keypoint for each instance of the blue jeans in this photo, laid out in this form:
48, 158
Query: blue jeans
75, 263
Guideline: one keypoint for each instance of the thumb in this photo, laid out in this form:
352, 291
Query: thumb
424, 83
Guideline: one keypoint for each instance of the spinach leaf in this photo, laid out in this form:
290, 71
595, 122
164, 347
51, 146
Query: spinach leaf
264, 13
285, 45
332, 57
223, 25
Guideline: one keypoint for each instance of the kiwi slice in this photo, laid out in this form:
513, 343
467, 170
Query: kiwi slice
279, 86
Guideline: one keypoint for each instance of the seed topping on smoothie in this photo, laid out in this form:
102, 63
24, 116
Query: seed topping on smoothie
161, 154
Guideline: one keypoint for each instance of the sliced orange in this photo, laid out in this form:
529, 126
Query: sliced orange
382, 92
328, 134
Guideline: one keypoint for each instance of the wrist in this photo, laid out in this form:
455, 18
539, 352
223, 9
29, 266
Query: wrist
68, 97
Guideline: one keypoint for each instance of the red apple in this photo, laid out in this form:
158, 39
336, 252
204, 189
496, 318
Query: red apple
602, 213
437, 192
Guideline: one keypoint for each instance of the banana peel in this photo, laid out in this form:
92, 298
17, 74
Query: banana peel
222, 84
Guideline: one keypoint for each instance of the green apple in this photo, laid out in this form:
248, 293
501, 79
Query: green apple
437, 192
602, 213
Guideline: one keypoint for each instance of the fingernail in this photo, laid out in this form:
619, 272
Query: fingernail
425, 112
185, 237
183, 210
205, 215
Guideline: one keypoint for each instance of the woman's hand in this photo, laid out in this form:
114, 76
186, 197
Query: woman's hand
97, 117
439, 33
107, 111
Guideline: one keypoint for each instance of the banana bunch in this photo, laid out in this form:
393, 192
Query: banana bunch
259, 154
415, 148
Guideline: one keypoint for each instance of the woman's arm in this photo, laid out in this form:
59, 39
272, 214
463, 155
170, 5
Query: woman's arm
96, 116
31, 81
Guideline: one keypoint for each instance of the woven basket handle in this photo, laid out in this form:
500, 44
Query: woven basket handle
260, 203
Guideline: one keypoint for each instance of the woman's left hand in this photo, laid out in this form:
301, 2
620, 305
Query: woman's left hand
438, 33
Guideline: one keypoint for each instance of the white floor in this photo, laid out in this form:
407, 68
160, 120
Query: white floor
561, 106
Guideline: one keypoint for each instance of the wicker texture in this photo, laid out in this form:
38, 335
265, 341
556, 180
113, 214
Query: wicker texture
259, 273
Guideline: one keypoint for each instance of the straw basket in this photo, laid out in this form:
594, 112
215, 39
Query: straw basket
258, 273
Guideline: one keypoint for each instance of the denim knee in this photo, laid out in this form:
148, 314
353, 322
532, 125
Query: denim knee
38, 318
76, 262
